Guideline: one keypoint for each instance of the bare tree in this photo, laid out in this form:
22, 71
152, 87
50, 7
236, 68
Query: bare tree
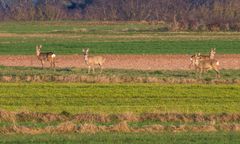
187, 14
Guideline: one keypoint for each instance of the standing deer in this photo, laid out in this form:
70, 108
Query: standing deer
203, 65
91, 61
210, 56
47, 56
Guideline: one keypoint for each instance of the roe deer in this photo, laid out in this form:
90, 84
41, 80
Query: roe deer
47, 56
210, 56
91, 61
204, 65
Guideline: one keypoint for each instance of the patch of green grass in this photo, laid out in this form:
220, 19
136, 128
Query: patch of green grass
139, 124
72, 27
119, 138
118, 98
74, 46
166, 76
123, 38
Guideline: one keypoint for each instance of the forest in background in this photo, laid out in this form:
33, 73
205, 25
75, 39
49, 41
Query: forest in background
211, 15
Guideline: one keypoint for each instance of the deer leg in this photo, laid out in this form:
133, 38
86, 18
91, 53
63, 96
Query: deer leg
201, 72
42, 62
51, 63
190, 66
54, 63
101, 68
196, 72
217, 71
89, 69
204, 70
93, 69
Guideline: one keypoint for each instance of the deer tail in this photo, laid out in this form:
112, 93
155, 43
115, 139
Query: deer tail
53, 55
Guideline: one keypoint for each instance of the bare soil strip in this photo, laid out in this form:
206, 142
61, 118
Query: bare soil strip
212, 122
140, 62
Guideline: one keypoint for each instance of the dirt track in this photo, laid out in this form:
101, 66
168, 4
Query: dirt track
141, 62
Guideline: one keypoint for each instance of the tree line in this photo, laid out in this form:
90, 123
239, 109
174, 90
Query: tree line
211, 15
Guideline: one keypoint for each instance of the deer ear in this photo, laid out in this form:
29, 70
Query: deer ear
87, 49
40, 46
83, 50
199, 54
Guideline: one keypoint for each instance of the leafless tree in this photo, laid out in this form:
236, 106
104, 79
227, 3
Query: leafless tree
187, 14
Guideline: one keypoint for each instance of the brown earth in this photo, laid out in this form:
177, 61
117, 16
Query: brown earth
141, 62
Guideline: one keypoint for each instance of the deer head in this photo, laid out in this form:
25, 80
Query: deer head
38, 49
85, 53
212, 53
197, 58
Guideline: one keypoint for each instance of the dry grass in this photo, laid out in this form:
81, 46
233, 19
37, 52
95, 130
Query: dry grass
122, 127
169, 117
205, 128
65, 127
87, 123
151, 128
7, 116
85, 117
90, 128
115, 79
128, 117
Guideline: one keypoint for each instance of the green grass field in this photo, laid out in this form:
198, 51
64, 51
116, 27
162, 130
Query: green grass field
33, 74
118, 98
124, 38
119, 138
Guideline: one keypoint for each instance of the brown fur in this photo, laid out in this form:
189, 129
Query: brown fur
203, 65
92, 61
47, 56
211, 55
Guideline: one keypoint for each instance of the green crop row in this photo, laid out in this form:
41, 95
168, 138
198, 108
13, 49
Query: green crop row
64, 46
117, 98
129, 38
119, 138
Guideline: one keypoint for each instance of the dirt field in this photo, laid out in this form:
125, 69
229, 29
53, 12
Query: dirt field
141, 62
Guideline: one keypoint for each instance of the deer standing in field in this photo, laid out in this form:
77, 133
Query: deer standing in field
92, 61
47, 56
203, 65
210, 56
